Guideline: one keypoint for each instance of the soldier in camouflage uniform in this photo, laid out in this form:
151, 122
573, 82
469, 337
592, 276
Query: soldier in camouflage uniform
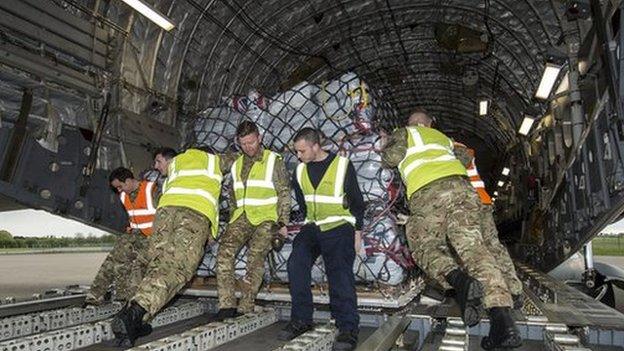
125, 264
259, 207
186, 217
444, 229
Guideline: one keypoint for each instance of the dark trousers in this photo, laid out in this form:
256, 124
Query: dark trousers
336, 247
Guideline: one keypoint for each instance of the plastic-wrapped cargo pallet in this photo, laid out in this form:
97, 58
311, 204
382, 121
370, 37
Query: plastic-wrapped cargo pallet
344, 110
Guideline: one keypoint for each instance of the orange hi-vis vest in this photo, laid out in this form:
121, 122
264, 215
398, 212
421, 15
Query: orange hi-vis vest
476, 181
141, 211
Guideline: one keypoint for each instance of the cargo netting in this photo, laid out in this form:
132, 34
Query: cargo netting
346, 111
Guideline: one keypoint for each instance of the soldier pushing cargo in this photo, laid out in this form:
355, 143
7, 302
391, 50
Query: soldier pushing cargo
125, 264
444, 229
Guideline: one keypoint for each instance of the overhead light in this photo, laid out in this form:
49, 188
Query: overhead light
526, 125
549, 77
151, 13
483, 107
500, 183
496, 193
506, 171
564, 85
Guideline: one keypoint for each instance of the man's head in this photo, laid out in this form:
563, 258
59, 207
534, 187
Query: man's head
419, 117
122, 180
248, 138
162, 157
308, 144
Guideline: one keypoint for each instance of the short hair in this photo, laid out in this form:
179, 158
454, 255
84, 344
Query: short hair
166, 152
121, 174
308, 134
245, 128
421, 111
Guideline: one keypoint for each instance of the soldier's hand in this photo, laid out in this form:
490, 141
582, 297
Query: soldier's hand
402, 218
384, 138
358, 242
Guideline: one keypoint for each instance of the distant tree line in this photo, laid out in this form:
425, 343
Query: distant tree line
9, 241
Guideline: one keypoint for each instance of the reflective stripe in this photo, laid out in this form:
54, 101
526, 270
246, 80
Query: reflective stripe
477, 184
340, 176
141, 225
194, 173
185, 191
332, 219
132, 213
472, 172
208, 172
148, 196
416, 136
122, 196
322, 199
300, 172
418, 149
269, 169
256, 202
417, 163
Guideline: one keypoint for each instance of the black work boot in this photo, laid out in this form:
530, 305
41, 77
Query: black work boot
468, 294
293, 330
346, 340
225, 313
128, 325
144, 330
503, 330
518, 301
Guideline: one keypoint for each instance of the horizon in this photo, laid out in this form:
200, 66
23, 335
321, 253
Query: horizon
20, 223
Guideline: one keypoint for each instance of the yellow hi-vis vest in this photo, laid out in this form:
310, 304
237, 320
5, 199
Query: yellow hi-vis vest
429, 157
194, 181
325, 204
255, 197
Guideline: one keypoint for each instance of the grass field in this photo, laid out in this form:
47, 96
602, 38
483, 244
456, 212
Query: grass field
608, 245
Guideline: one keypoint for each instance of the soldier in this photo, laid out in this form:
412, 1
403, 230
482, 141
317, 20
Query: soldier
327, 192
260, 207
186, 216
125, 264
445, 220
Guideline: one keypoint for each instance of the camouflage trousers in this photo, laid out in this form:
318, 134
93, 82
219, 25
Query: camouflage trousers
258, 239
500, 253
124, 267
174, 252
444, 233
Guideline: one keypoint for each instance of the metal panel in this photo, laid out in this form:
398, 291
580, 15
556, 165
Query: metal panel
24, 27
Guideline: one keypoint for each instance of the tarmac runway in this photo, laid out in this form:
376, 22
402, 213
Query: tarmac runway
24, 275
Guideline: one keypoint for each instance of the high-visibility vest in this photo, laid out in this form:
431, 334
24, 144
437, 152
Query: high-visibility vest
194, 181
476, 181
256, 197
429, 157
326, 203
141, 211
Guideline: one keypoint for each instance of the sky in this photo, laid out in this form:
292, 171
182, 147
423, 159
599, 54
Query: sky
41, 223
617, 227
